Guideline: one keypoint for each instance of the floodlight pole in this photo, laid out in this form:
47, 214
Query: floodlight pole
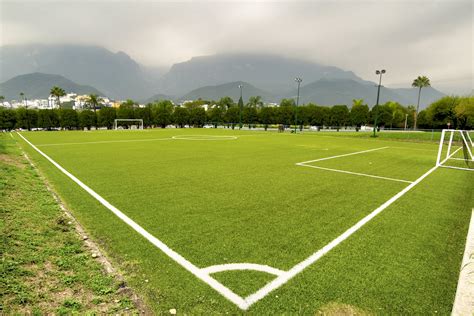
380, 73
406, 121
240, 107
27, 115
298, 81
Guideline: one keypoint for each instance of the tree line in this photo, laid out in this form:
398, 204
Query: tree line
452, 111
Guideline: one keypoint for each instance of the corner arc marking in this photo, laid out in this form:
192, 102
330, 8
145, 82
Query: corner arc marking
242, 266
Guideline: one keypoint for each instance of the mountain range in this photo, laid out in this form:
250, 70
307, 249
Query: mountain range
38, 86
118, 76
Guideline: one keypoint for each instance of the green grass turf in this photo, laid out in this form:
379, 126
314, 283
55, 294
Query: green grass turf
45, 267
245, 200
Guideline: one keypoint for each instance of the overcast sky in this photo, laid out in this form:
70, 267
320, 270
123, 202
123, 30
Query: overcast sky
408, 38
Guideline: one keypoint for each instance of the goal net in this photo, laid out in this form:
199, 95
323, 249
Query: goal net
128, 124
456, 150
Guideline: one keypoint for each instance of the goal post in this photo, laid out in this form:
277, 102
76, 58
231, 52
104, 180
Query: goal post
456, 150
129, 123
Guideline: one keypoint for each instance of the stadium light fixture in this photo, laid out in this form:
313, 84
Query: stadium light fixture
380, 73
298, 81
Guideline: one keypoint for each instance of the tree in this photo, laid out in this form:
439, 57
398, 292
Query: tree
216, 115
58, 93
197, 116
180, 116
226, 103
339, 115
383, 114
7, 119
266, 116
162, 112
420, 82
93, 101
442, 112
126, 111
232, 116
2, 98
68, 119
359, 113
48, 119
146, 114
398, 113
21, 120
106, 117
249, 116
285, 115
255, 102
87, 119
464, 111
287, 102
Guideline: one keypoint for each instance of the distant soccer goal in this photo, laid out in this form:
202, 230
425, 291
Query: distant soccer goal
456, 150
128, 123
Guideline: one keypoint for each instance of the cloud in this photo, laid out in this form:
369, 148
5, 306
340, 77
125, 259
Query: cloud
408, 38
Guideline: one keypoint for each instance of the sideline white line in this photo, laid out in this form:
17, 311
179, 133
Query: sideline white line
344, 155
354, 173
465, 289
220, 288
11, 135
105, 142
242, 266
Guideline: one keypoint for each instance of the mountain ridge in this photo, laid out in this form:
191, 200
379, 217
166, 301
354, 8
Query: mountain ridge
38, 86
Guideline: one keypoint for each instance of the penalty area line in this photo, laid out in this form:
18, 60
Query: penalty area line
354, 173
344, 155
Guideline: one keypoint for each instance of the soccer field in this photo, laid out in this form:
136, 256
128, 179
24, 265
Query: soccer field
216, 221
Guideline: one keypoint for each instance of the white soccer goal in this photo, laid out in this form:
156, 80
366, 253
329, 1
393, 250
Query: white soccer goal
456, 150
138, 125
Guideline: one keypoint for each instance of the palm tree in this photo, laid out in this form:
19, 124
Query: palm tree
357, 102
420, 82
58, 93
255, 102
93, 101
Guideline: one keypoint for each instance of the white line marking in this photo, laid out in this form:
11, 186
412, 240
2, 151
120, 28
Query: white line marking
354, 173
106, 142
282, 279
244, 304
459, 168
220, 288
465, 289
11, 135
242, 266
344, 155
461, 159
204, 137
